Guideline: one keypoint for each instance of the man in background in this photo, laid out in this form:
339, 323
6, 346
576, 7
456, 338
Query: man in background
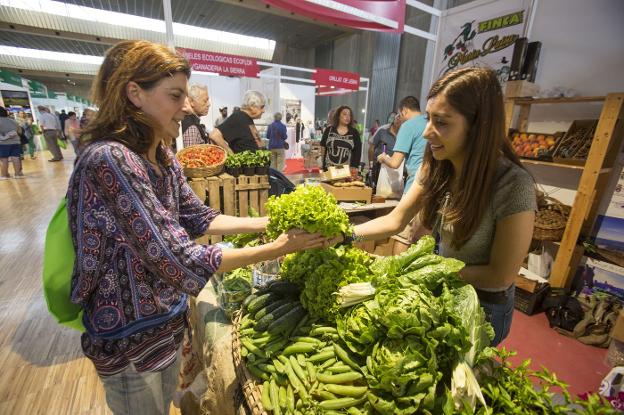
410, 144
193, 131
50, 125
277, 135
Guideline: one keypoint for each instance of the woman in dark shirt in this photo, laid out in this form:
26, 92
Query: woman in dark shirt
238, 132
133, 218
341, 143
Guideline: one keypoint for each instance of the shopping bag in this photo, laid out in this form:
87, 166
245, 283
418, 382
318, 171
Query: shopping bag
58, 266
390, 182
61, 143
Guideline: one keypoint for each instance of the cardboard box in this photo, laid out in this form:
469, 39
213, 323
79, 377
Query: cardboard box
384, 248
368, 246
617, 332
399, 245
363, 194
336, 173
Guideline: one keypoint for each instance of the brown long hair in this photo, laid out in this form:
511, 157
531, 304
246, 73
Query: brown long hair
119, 119
476, 94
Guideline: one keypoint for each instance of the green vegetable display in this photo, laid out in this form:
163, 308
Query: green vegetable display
420, 346
309, 208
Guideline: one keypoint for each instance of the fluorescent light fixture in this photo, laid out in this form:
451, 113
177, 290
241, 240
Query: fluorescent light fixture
205, 73
76, 12
49, 55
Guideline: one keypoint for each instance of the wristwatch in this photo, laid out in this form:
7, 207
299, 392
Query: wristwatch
349, 239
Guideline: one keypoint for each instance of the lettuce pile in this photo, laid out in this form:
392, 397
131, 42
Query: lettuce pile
309, 208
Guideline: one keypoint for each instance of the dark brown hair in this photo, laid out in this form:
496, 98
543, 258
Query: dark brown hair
118, 118
476, 94
336, 116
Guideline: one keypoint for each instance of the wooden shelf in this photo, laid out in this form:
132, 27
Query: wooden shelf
564, 100
552, 164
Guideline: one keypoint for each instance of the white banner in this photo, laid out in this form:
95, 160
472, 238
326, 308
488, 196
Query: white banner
481, 34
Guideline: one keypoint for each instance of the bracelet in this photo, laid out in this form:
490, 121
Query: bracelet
349, 239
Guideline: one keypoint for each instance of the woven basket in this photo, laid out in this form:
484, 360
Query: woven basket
199, 172
551, 219
251, 389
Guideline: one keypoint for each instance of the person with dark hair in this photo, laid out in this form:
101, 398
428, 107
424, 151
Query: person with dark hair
382, 142
10, 146
375, 127
341, 143
223, 114
471, 190
134, 218
410, 145
277, 135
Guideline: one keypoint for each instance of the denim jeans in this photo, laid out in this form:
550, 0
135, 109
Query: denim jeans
500, 316
142, 393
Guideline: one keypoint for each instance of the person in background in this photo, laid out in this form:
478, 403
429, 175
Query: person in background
238, 133
50, 126
63, 116
471, 190
299, 129
87, 116
222, 117
72, 130
375, 127
383, 142
25, 124
277, 135
193, 131
410, 144
134, 218
10, 147
341, 143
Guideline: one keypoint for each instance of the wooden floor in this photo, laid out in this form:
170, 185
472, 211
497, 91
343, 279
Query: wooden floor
43, 370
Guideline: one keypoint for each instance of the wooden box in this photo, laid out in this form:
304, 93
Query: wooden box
232, 196
357, 194
574, 146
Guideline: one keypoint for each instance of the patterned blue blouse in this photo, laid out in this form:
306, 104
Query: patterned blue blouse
136, 261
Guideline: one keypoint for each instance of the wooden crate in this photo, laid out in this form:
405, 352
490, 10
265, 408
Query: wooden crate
232, 196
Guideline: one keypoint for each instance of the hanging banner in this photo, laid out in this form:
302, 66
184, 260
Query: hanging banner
387, 15
9, 77
37, 89
223, 64
481, 34
327, 79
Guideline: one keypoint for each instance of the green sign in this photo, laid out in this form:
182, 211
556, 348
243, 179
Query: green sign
9, 77
37, 89
51, 94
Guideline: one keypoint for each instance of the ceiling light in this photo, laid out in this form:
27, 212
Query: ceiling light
76, 12
49, 55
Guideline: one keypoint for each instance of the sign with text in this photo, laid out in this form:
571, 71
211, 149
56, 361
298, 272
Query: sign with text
221, 63
326, 79
481, 34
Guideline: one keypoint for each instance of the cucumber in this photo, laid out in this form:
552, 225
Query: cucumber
272, 306
287, 321
283, 287
263, 300
268, 319
248, 300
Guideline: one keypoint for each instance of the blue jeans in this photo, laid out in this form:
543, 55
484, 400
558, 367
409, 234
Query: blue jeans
500, 316
137, 393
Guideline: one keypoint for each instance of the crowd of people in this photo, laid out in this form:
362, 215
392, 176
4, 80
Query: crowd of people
19, 131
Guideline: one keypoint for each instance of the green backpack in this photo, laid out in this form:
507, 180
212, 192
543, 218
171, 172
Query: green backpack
58, 266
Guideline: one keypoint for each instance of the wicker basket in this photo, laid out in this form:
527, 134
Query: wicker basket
251, 390
551, 219
199, 172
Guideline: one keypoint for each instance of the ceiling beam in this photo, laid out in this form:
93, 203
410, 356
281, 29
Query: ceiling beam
259, 6
51, 74
33, 30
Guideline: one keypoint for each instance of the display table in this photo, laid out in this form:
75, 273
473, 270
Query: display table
356, 208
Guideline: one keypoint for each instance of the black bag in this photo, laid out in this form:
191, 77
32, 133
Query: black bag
286, 146
563, 311
23, 138
279, 183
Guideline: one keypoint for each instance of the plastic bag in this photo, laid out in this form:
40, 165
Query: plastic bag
390, 182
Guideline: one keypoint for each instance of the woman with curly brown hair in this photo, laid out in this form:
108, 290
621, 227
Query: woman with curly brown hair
471, 190
133, 219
